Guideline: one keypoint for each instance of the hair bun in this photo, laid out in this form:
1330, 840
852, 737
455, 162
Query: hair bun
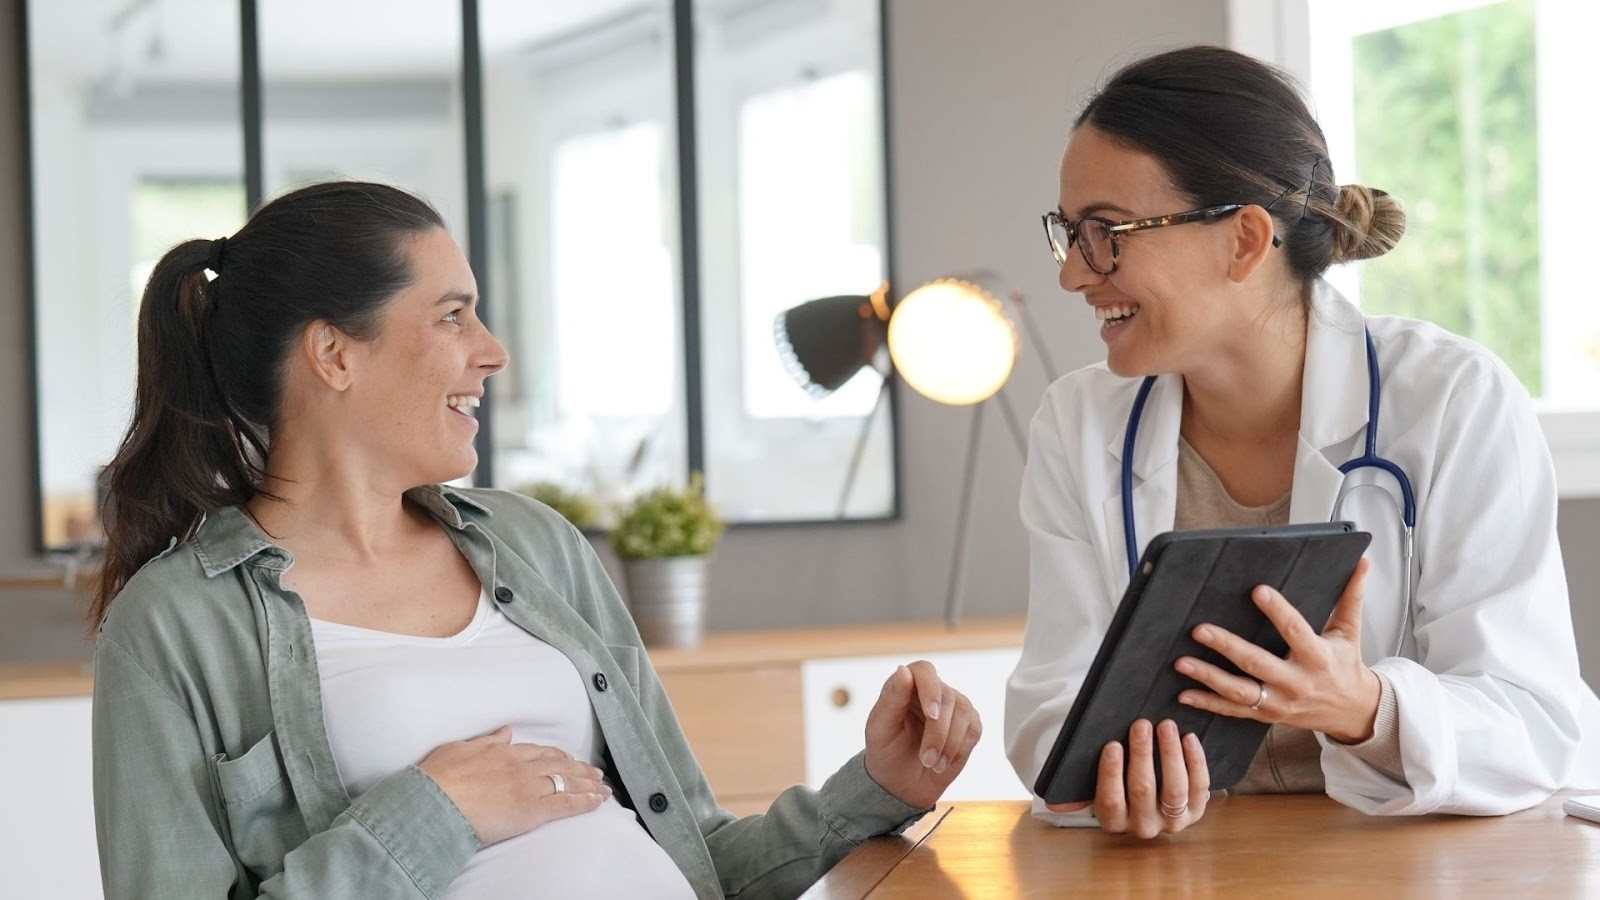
1367, 223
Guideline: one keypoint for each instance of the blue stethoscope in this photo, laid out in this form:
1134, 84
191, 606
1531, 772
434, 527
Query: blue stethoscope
1367, 460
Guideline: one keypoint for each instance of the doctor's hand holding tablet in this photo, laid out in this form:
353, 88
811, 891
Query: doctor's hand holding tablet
1197, 212
1163, 783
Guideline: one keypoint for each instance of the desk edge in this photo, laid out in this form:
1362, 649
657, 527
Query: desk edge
860, 873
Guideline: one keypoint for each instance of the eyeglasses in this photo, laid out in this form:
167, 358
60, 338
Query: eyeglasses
1097, 238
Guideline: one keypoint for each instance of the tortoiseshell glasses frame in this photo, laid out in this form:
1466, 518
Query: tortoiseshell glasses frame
1097, 238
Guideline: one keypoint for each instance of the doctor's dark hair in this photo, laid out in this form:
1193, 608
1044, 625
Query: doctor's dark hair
212, 353
1231, 129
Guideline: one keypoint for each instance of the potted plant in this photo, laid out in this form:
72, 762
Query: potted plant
574, 506
663, 538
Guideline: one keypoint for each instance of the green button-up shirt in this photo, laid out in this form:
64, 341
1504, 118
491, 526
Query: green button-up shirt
213, 775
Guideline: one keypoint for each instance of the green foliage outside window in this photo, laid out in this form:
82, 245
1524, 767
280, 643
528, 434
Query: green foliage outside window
1446, 120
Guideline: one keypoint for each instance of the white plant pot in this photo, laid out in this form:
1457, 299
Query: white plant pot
668, 599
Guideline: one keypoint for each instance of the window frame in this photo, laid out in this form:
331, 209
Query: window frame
1279, 31
257, 169
816, 50
586, 108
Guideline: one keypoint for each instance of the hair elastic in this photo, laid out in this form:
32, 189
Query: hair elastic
214, 259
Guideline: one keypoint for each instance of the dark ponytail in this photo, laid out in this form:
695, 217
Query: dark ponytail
211, 354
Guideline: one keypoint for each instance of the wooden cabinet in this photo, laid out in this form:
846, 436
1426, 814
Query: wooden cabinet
765, 710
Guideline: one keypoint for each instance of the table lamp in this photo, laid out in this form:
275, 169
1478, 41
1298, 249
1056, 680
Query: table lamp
950, 339
823, 343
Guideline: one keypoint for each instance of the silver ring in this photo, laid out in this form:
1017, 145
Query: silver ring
1261, 697
1174, 812
559, 782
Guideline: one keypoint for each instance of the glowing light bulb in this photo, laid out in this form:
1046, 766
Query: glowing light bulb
952, 342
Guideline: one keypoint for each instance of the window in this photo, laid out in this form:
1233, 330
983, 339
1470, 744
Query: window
808, 227
792, 207
584, 285
1470, 112
608, 208
552, 139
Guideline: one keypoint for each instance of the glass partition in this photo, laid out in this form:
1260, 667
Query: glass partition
789, 132
582, 173
359, 89
138, 141
136, 145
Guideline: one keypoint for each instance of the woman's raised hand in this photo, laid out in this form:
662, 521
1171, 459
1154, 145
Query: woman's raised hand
505, 789
920, 734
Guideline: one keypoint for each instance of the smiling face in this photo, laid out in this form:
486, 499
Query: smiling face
1170, 303
414, 390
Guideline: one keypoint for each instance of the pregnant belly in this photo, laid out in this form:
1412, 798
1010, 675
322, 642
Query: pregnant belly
600, 854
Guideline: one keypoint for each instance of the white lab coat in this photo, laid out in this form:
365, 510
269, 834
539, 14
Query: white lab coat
1492, 711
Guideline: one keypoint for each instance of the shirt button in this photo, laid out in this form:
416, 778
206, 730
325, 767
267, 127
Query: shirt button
600, 684
658, 802
503, 594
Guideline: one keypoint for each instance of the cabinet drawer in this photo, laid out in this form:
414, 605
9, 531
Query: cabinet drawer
745, 728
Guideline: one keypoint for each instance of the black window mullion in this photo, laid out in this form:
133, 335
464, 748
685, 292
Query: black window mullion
689, 229
477, 215
887, 145
250, 111
29, 271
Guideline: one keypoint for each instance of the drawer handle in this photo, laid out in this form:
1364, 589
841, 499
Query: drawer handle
841, 697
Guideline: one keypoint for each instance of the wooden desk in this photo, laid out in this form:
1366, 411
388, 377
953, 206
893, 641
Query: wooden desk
1296, 846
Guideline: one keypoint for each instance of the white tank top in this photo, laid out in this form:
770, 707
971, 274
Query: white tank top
390, 699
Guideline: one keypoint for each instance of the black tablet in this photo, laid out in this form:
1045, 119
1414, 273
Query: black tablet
1186, 578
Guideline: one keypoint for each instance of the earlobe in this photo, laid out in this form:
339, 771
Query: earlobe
1253, 231
327, 350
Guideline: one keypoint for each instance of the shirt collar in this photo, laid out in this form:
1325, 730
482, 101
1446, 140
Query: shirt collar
227, 537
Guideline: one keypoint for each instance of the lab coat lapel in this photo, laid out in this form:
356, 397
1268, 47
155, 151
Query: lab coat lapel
1333, 403
1316, 485
1155, 475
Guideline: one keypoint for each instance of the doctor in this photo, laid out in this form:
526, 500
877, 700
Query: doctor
1197, 212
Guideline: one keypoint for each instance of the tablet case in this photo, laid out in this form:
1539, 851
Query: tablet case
1186, 578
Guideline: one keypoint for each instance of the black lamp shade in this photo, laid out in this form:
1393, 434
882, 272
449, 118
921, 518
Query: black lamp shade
824, 343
